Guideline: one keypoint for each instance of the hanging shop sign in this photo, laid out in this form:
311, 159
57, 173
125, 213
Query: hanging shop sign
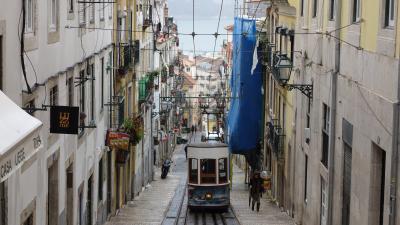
64, 119
118, 140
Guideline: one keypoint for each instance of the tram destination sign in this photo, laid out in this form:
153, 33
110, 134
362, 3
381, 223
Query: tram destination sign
64, 119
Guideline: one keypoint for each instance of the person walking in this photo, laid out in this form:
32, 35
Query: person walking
255, 190
186, 151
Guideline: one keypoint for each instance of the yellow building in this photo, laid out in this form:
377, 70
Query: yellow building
124, 103
278, 41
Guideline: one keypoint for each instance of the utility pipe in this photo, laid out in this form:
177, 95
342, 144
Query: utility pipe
332, 129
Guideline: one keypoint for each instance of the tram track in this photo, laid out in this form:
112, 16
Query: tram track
205, 217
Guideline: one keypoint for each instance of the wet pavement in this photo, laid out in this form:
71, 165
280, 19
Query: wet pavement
165, 202
269, 213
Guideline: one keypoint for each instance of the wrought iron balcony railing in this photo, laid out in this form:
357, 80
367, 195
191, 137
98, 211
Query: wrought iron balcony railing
275, 137
125, 59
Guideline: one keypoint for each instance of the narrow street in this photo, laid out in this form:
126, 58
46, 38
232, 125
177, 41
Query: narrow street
165, 202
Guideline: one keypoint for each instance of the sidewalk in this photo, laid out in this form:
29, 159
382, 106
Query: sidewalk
269, 213
150, 207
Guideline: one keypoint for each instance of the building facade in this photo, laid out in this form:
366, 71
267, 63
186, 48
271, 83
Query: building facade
66, 182
340, 141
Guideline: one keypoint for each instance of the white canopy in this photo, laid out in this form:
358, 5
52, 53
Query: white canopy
15, 124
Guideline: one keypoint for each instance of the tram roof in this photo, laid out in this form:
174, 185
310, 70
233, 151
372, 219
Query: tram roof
208, 145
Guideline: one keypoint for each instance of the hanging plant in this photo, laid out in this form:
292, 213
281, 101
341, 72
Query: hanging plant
134, 127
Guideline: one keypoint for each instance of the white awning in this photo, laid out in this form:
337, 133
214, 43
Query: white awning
19, 136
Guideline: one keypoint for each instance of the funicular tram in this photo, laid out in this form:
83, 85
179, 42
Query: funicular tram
208, 176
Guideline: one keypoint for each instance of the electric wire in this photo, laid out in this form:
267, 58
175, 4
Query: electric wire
216, 37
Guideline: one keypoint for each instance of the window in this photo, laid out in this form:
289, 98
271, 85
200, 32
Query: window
82, 99
332, 10
356, 10
110, 12
346, 191
301, 7
130, 101
91, 12
193, 171
377, 185
70, 91
347, 137
100, 191
325, 135
53, 14
207, 174
92, 92
29, 16
315, 8
324, 202
70, 6
101, 10
223, 170
102, 83
305, 177
82, 14
389, 13
54, 95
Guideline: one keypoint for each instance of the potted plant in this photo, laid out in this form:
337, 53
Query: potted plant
134, 127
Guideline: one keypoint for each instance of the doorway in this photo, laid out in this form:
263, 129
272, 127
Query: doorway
70, 195
89, 202
52, 195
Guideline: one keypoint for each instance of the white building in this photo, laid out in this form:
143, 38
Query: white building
66, 56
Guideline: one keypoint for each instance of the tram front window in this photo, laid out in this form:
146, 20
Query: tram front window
208, 175
223, 170
193, 171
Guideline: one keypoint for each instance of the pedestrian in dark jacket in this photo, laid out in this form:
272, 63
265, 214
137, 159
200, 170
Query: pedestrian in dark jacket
186, 151
255, 190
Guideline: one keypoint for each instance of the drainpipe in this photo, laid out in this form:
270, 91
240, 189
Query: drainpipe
332, 130
395, 156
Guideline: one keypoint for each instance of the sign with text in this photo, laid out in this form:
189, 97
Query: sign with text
15, 157
118, 140
64, 119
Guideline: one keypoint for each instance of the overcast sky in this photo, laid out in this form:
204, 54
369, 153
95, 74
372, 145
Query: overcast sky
206, 20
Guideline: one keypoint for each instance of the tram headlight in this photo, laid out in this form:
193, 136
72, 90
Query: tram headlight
208, 196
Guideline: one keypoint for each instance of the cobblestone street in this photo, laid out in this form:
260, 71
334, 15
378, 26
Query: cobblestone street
158, 203
269, 213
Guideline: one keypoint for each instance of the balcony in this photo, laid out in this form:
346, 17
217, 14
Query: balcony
144, 89
275, 137
125, 58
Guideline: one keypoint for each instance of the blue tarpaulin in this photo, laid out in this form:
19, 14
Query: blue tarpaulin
245, 114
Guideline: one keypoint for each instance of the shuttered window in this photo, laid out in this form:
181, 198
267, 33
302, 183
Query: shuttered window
347, 134
82, 13
101, 10
91, 12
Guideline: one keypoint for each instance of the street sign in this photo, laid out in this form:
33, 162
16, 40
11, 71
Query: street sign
64, 119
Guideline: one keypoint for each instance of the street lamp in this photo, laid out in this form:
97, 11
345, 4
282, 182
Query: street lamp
282, 68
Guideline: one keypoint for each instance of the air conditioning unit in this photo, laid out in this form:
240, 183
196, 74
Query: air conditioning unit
307, 135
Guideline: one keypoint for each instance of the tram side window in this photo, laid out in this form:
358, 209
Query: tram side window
208, 171
193, 171
223, 170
